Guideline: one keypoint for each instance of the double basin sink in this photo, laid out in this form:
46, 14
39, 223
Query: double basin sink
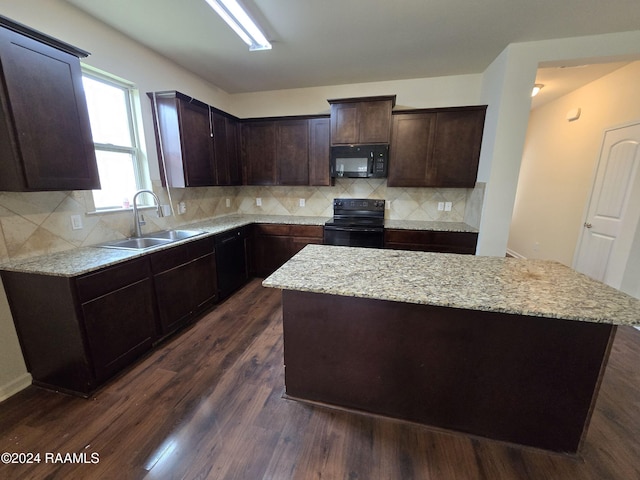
151, 240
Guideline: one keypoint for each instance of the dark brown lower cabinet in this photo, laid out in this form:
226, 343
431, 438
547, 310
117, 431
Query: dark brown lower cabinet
185, 282
75, 332
273, 245
431, 241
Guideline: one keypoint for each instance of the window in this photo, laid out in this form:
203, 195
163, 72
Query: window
121, 166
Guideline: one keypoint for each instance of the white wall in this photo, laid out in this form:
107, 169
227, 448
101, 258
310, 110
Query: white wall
417, 93
559, 163
506, 89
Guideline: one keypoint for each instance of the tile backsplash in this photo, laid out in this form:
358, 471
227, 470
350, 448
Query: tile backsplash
40, 222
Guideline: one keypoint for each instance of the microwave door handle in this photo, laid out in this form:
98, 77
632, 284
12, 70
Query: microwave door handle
371, 162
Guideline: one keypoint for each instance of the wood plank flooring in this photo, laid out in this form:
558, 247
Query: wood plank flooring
209, 404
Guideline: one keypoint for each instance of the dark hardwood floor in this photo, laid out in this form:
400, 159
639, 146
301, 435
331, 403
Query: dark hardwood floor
209, 404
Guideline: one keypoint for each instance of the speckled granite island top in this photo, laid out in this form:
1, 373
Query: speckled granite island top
507, 285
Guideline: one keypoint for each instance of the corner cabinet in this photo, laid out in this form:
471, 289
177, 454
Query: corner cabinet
361, 120
286, 151
436, 147
274, 244
45, 134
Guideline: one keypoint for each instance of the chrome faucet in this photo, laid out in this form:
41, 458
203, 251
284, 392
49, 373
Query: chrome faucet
137, 220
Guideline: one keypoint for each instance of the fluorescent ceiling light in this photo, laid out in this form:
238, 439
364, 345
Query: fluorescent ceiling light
235, 16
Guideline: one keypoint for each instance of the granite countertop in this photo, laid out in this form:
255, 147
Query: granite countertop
496, 284
83, 260
430, 225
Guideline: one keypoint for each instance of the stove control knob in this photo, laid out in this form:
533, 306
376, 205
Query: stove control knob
337, 203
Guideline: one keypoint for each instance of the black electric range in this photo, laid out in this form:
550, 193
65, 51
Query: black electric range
356, 222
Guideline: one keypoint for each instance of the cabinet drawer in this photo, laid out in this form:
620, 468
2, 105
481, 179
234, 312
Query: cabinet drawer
100, 283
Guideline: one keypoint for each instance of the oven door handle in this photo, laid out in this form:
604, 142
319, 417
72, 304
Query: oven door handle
353, 229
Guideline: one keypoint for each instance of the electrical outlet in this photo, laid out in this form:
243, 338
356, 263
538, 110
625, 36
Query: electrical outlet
228, 202
258, 201
182, 208
440, 206
76, 222
302, 202
447, 206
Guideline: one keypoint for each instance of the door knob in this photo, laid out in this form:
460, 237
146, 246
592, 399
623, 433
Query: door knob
588, 225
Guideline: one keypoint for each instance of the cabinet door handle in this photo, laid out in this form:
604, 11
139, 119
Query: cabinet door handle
588, 225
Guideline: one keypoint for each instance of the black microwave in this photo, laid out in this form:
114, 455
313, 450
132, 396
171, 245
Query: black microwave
359, 161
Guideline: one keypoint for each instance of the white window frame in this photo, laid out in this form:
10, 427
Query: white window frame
137, 152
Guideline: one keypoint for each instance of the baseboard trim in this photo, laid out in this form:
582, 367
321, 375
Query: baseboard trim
512, 253
13, 387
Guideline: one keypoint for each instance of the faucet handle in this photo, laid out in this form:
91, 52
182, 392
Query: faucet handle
141, 220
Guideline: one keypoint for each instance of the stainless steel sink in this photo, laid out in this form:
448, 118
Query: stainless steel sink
174, 234
151, 240
136, 243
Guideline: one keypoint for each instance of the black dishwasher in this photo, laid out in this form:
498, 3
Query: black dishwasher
231, 261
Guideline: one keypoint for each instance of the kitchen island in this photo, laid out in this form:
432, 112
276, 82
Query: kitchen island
502, 348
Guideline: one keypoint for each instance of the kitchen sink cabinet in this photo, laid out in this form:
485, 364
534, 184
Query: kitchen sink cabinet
185, 282
361, 120
436, 147
274, 245
45, 134
75, 332
431, 241
184, 139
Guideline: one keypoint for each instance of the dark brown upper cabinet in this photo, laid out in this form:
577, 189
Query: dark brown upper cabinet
228, 169
198, 145
361, 120
436, 147
319, 151
286, 151
292, 152
259, 152
184, 138
45, 134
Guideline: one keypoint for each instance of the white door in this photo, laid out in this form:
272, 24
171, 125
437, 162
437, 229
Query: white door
614, 208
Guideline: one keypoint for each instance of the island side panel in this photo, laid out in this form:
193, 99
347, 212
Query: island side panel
526, 380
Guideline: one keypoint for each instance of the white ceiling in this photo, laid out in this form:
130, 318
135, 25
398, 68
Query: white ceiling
332, 42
